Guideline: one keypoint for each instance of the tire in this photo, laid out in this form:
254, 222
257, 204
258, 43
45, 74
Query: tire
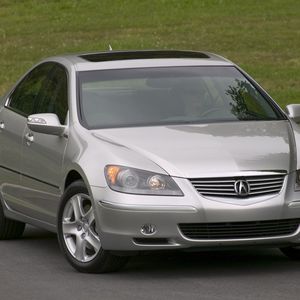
291, 252
77, 235
10, 229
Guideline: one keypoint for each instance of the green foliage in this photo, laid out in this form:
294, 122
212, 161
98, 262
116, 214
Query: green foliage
261, 36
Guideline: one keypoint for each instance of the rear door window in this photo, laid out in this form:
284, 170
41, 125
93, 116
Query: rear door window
23, 98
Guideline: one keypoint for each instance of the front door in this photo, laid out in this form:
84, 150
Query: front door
42, 154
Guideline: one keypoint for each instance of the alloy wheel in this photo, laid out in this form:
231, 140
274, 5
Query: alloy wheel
79, 228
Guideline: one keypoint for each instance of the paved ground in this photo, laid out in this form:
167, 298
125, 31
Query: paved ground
33, 268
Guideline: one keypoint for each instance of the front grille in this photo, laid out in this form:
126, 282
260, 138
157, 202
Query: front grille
225, 186
239, 230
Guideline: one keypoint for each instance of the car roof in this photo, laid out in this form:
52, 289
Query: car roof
140, 59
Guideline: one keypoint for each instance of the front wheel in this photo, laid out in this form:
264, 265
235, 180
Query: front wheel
291, 252
78, 236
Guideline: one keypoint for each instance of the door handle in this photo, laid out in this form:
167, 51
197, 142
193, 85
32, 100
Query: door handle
2, 125
29, 138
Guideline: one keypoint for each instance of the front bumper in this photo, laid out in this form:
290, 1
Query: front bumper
120, 216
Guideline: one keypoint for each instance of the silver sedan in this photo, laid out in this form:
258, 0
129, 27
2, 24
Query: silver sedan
120, 152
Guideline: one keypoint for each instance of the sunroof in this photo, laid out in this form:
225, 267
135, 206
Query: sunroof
146, 54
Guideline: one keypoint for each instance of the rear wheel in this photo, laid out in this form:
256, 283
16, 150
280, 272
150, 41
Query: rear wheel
78, 236
291, 252
10, 229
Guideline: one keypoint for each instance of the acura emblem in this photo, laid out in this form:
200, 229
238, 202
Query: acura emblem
242, 188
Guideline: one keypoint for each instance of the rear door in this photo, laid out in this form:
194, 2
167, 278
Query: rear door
13, 117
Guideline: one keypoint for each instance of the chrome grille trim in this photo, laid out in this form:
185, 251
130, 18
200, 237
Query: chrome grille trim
224, 186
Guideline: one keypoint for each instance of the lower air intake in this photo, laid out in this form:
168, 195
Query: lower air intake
239, 230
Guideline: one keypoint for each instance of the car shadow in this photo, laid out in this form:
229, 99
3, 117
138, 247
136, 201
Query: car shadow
173, 264
212, 264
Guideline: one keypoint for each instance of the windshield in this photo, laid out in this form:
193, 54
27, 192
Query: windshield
169, 95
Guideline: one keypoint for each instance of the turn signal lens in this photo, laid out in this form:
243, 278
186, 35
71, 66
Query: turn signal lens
112, 173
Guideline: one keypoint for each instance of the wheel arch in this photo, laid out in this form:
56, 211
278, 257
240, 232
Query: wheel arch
73, 174
71, 177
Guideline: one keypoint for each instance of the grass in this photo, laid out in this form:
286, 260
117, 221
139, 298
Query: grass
261, 36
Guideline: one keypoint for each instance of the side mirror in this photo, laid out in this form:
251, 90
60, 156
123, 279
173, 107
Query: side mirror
45, 123
293, 111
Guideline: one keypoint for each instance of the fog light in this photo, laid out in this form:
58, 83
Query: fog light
148, 229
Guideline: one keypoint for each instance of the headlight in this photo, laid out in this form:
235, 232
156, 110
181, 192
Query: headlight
136, 181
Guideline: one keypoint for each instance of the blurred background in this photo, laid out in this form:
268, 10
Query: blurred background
263, 37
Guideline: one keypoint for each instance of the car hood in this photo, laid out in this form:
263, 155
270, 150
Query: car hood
217, 149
